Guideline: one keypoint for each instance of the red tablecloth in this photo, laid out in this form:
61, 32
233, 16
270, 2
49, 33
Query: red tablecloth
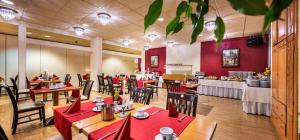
146, 129
63, 122
140, 83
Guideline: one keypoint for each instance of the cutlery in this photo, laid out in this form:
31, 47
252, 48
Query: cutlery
78, 114
107, 135
157, 111
182, 118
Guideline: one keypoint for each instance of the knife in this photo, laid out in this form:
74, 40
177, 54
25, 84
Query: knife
182, 118
157, 111
107, 135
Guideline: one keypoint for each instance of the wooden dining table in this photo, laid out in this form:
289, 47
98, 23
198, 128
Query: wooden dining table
55, 92
200, 128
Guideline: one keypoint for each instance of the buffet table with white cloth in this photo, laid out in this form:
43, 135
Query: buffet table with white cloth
227, 89
257, 100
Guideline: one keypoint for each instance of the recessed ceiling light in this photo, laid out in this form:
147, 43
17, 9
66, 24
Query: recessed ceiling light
126, 42
47, 36
8, 13
152, 36
78, 30
170, 44
161, 19
210, 25
85, 25
29, 33
104, 18
200, 34
8, 2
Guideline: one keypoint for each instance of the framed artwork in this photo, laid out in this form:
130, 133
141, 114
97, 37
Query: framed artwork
154, 61
230, 58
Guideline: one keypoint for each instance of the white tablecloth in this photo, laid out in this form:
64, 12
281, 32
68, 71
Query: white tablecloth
255, 100
227, 89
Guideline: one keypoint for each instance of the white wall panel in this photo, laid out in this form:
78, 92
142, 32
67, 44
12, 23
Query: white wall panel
114, 64
11, 57
33, 62
2, 55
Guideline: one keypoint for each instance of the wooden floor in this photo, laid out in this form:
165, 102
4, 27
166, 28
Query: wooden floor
233, 123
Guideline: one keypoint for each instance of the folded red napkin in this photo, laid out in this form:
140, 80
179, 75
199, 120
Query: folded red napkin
68, 84
38, 87
34, 78
124, 132
74, 107
172, 110
148, 78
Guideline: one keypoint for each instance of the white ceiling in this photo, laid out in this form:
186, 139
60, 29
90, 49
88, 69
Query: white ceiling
127, 19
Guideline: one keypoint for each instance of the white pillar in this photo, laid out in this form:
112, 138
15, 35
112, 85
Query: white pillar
22, 55
143, 56
96, 60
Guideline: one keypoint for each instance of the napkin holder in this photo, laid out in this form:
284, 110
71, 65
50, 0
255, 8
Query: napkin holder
107, 112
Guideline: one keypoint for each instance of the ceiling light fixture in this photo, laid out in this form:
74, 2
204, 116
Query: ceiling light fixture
161, 19
85, 25
152, 36
7, 13
170, 44
47, 36
29, 33
210, 25
8, 2
104, 18
79, 30
200, 35
126, 42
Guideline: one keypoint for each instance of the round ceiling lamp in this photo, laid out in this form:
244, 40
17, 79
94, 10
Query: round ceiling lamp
152, 36
8, 13
170, 44
104, 18
210, 25
79, 30
7, 2
126, 42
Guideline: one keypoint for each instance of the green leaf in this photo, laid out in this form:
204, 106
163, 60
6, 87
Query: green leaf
197, 30
249, 7
171, 26
274, 12
189, 11
194, 20
220, 30
178, 27
153, 13
205, 7
181, 8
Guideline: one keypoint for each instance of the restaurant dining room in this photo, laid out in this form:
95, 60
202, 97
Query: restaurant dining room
149, 70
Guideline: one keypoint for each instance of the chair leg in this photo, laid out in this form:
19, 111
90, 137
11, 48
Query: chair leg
40, 114
15, 124
12, 125
43, 115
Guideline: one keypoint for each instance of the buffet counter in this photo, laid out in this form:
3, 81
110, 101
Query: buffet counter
255, 100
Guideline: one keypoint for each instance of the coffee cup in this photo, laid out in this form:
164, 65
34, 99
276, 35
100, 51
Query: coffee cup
166, 133
140, 112
98, 98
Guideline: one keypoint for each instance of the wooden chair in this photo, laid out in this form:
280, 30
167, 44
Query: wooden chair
67, 80
85, 93
172, 86
185, 103
132, 77
141, 95
2, 134
25, 108
102, 85
112, 87
154, 87
80, 81
17, 92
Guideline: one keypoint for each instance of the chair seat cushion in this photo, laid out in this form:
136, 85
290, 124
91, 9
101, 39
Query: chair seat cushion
23, 91
29, 105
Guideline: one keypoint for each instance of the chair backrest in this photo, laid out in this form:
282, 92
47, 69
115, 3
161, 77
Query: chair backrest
141, 95
2, 134
16, 78
12, 99
133, 77
185, 103
100, 80
172, 86
15, 87
87, 88
27, 83
110, 83
79, 77
67, 78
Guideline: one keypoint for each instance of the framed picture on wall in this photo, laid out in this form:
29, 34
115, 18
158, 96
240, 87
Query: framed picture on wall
154, 61
230, 58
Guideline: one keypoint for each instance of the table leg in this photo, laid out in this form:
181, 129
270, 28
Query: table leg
55, 98
45, 95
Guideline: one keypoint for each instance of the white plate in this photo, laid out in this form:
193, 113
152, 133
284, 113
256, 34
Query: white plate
96, 110
146, 115
159, 137
102, 100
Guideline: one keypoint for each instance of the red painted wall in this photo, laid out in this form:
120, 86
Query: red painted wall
251, 58
161, 52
